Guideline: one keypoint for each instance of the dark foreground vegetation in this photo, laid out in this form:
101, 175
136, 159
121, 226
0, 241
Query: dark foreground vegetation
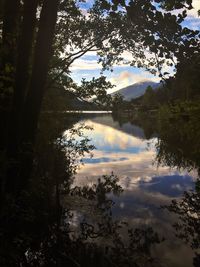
39, 41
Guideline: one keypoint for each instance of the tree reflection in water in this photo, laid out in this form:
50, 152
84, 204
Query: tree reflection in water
36, 225
179, 146
179, 135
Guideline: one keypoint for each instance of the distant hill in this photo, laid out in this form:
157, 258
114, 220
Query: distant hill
77, 103
136, 90
59, 99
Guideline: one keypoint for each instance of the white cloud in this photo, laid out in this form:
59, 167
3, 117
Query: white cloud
192, 20
196, 6
127, 78
88, 64
85, 12
123, 79
84, 64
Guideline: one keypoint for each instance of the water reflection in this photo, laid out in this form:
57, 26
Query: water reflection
125, 150
179, 146
131, 157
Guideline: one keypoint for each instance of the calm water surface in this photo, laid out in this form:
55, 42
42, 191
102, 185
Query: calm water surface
124, 149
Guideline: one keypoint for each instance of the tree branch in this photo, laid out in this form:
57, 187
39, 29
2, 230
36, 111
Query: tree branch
79, 54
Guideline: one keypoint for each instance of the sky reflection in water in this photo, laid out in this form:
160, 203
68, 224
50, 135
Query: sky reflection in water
125, 151
131, 158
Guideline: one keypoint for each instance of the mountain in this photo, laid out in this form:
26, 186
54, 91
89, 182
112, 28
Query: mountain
77, 103
136, 90
59, 99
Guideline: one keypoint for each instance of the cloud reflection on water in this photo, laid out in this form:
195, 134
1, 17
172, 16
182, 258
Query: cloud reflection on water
146, 186
129, 157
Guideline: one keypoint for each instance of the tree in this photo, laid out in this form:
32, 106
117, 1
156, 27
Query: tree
117, 102
22, 69
44, 40
162, 38
148, 99
9, 33
37, 50
95, 91
46, 50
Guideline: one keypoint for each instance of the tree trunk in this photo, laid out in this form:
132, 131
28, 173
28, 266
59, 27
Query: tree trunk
9, 32
7, 62
43, 51
22, 73
11, 19
42, 55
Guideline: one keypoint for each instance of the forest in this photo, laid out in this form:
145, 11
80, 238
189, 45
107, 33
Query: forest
39, 42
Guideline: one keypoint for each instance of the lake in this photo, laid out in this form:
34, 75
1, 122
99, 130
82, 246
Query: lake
129, 151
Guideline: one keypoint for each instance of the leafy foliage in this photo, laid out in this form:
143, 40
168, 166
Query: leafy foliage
179, 131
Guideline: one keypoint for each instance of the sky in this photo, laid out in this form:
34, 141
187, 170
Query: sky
123, 75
